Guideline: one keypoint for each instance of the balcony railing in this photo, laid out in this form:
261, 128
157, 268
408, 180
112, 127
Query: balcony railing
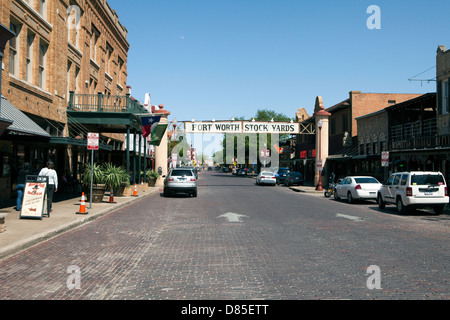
104, 103
414, 129
425, 142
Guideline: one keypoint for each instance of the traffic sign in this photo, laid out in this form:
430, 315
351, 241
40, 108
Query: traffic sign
92, 141
319, 165
385, 159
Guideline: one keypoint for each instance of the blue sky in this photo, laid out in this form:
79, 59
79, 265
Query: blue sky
207, 59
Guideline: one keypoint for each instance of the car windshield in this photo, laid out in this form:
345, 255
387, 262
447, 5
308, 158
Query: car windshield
366, 180
180, 173
427, 179
283, 170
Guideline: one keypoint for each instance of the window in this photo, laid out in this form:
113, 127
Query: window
69, 67
73, 23
14, 50
43, 48
404, 179
92, 86
119, 76
43, 8
95, 35
77, 78
29, 65
396, 179
109, 52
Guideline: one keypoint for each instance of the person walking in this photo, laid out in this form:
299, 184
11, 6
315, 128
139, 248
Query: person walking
23, 172
52, 187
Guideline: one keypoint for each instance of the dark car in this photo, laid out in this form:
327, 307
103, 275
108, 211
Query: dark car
281, 174
294, 179
242, 172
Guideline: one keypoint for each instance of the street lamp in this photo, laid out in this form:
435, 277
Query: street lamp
174, 126
320, 125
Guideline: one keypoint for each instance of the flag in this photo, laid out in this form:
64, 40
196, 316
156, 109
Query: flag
157, 134
149, 124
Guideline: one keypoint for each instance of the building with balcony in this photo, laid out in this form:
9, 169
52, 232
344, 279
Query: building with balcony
63, 50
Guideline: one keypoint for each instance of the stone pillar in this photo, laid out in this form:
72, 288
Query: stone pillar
161, 151
322, 139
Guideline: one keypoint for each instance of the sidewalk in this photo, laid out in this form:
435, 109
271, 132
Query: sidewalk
21, 234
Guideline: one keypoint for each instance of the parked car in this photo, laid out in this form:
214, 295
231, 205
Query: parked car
242, 172
281, 174
226, 169
293, 178
266, 177
180, 180
415, 189
357, 188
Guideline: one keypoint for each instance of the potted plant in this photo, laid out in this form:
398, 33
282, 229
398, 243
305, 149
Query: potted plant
98, 182
152, 176
116, 178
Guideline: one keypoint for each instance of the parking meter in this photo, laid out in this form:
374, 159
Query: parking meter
159, 170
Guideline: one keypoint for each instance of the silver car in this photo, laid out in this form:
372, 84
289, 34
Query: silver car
180, 180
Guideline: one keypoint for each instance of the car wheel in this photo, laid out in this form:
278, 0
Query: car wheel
350, 198
194, 194
401, 208
336, 197
166, 193
380, 202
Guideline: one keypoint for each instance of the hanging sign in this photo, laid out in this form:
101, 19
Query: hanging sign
242, 127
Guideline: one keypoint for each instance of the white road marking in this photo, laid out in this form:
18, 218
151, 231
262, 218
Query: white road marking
353, 218
232, 217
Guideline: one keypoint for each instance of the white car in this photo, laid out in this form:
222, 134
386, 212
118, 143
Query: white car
357, 188
415, 189
266, 177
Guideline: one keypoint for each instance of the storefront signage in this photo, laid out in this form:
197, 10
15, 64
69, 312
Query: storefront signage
34, 204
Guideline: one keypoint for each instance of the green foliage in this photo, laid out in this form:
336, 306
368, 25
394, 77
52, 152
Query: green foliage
114, 176
151, 174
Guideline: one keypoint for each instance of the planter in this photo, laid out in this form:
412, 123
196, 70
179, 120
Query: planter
119, 191
98, 192
151, 181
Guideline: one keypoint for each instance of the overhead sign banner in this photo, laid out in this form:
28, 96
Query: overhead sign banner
242, 127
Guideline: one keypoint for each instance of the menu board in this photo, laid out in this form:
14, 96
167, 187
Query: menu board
34, 203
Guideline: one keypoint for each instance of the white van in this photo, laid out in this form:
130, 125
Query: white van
415, 189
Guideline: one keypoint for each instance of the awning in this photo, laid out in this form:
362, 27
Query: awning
21, 123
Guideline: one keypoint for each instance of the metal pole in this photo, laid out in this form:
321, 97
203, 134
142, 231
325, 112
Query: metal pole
92, 178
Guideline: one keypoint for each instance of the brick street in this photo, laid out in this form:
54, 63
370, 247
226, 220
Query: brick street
287, 245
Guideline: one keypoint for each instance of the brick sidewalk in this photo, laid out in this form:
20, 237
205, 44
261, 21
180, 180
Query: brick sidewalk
20, 234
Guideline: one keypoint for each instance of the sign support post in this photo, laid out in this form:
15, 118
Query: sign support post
92, 144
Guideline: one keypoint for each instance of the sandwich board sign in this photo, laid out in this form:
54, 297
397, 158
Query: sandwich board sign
34, 204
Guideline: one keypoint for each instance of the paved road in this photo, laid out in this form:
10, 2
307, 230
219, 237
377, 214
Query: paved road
281, 245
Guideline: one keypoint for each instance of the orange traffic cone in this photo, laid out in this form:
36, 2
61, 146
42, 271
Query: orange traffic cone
82, 205
111, 197
135, 190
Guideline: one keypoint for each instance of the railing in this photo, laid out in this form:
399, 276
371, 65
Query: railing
104, 103
414, 129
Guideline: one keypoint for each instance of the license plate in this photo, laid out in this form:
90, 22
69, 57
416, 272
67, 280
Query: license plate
372, 193
428, 193
181, 179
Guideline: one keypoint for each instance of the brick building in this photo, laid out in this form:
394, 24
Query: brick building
60, 46
343, 132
